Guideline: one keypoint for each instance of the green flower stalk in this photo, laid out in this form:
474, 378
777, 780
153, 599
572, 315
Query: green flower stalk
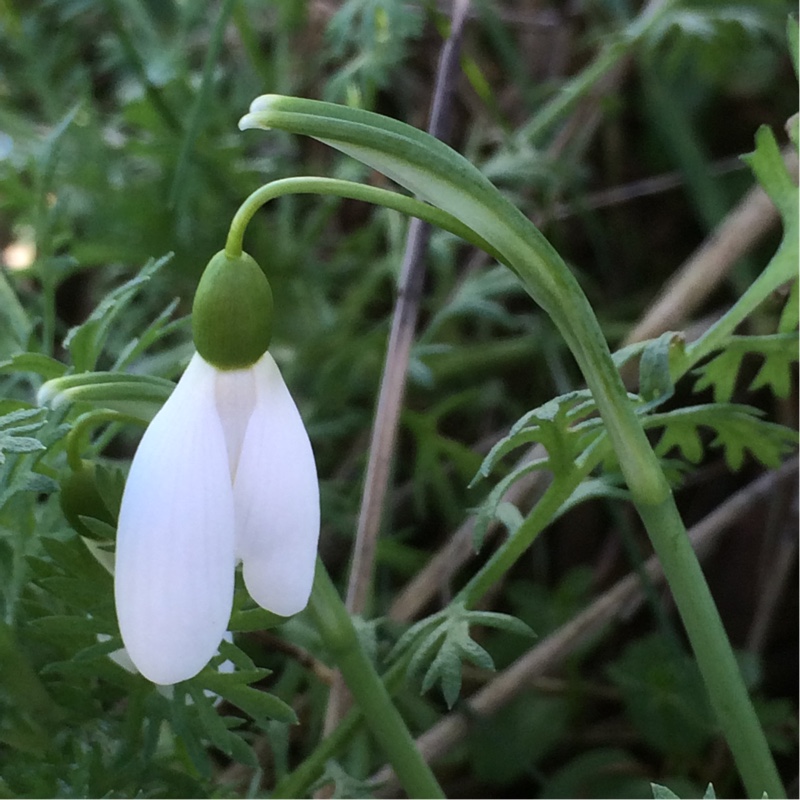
444, 179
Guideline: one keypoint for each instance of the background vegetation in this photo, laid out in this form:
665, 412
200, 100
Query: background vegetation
118, 146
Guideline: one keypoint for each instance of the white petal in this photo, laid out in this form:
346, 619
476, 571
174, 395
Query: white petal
276, 496
175, 541
236, 399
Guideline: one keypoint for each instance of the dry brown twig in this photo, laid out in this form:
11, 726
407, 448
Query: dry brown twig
393, 381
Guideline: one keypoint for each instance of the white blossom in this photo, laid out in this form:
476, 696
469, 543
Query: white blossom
224, 473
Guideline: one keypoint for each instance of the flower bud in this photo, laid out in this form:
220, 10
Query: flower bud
232, 312
80, 497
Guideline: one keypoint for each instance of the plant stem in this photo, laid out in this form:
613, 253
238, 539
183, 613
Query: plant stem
336, 629
297, 782
656, 506
435, 172
712, 649
354, 191
543, 513
77, 439
717, 335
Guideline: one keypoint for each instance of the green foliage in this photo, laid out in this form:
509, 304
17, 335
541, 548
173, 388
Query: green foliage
343, 784
600, 772
779, 352
12, 425
511, 743
482, 296
557, 425
737, 428
664, 696
545, 608
562, 427
663, 793
118, 144
441, 642
373, 36
656, 383
86, 342
437, 455
779, 719
721, 40
16, 326
774, 176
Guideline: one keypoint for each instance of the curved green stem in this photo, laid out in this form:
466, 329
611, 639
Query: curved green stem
353, 191
435, 172
431, 169
337, 631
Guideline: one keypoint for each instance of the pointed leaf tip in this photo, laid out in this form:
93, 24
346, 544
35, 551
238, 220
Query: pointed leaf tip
261, 104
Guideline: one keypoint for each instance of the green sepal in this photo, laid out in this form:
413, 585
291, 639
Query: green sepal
232, 312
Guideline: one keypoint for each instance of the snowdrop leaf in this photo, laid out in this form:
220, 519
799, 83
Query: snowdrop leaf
138, 396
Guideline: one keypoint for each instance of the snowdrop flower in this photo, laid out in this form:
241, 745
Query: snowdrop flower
224, 473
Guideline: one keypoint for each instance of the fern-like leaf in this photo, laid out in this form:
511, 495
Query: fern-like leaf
16, 423
557, 425
779, 352
443, 643
737, 427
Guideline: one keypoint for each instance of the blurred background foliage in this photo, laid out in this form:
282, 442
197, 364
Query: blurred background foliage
118, 144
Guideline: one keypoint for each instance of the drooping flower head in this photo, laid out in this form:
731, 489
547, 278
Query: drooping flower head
224, 473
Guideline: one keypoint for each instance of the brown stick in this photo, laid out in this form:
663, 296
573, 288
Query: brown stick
393, 382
